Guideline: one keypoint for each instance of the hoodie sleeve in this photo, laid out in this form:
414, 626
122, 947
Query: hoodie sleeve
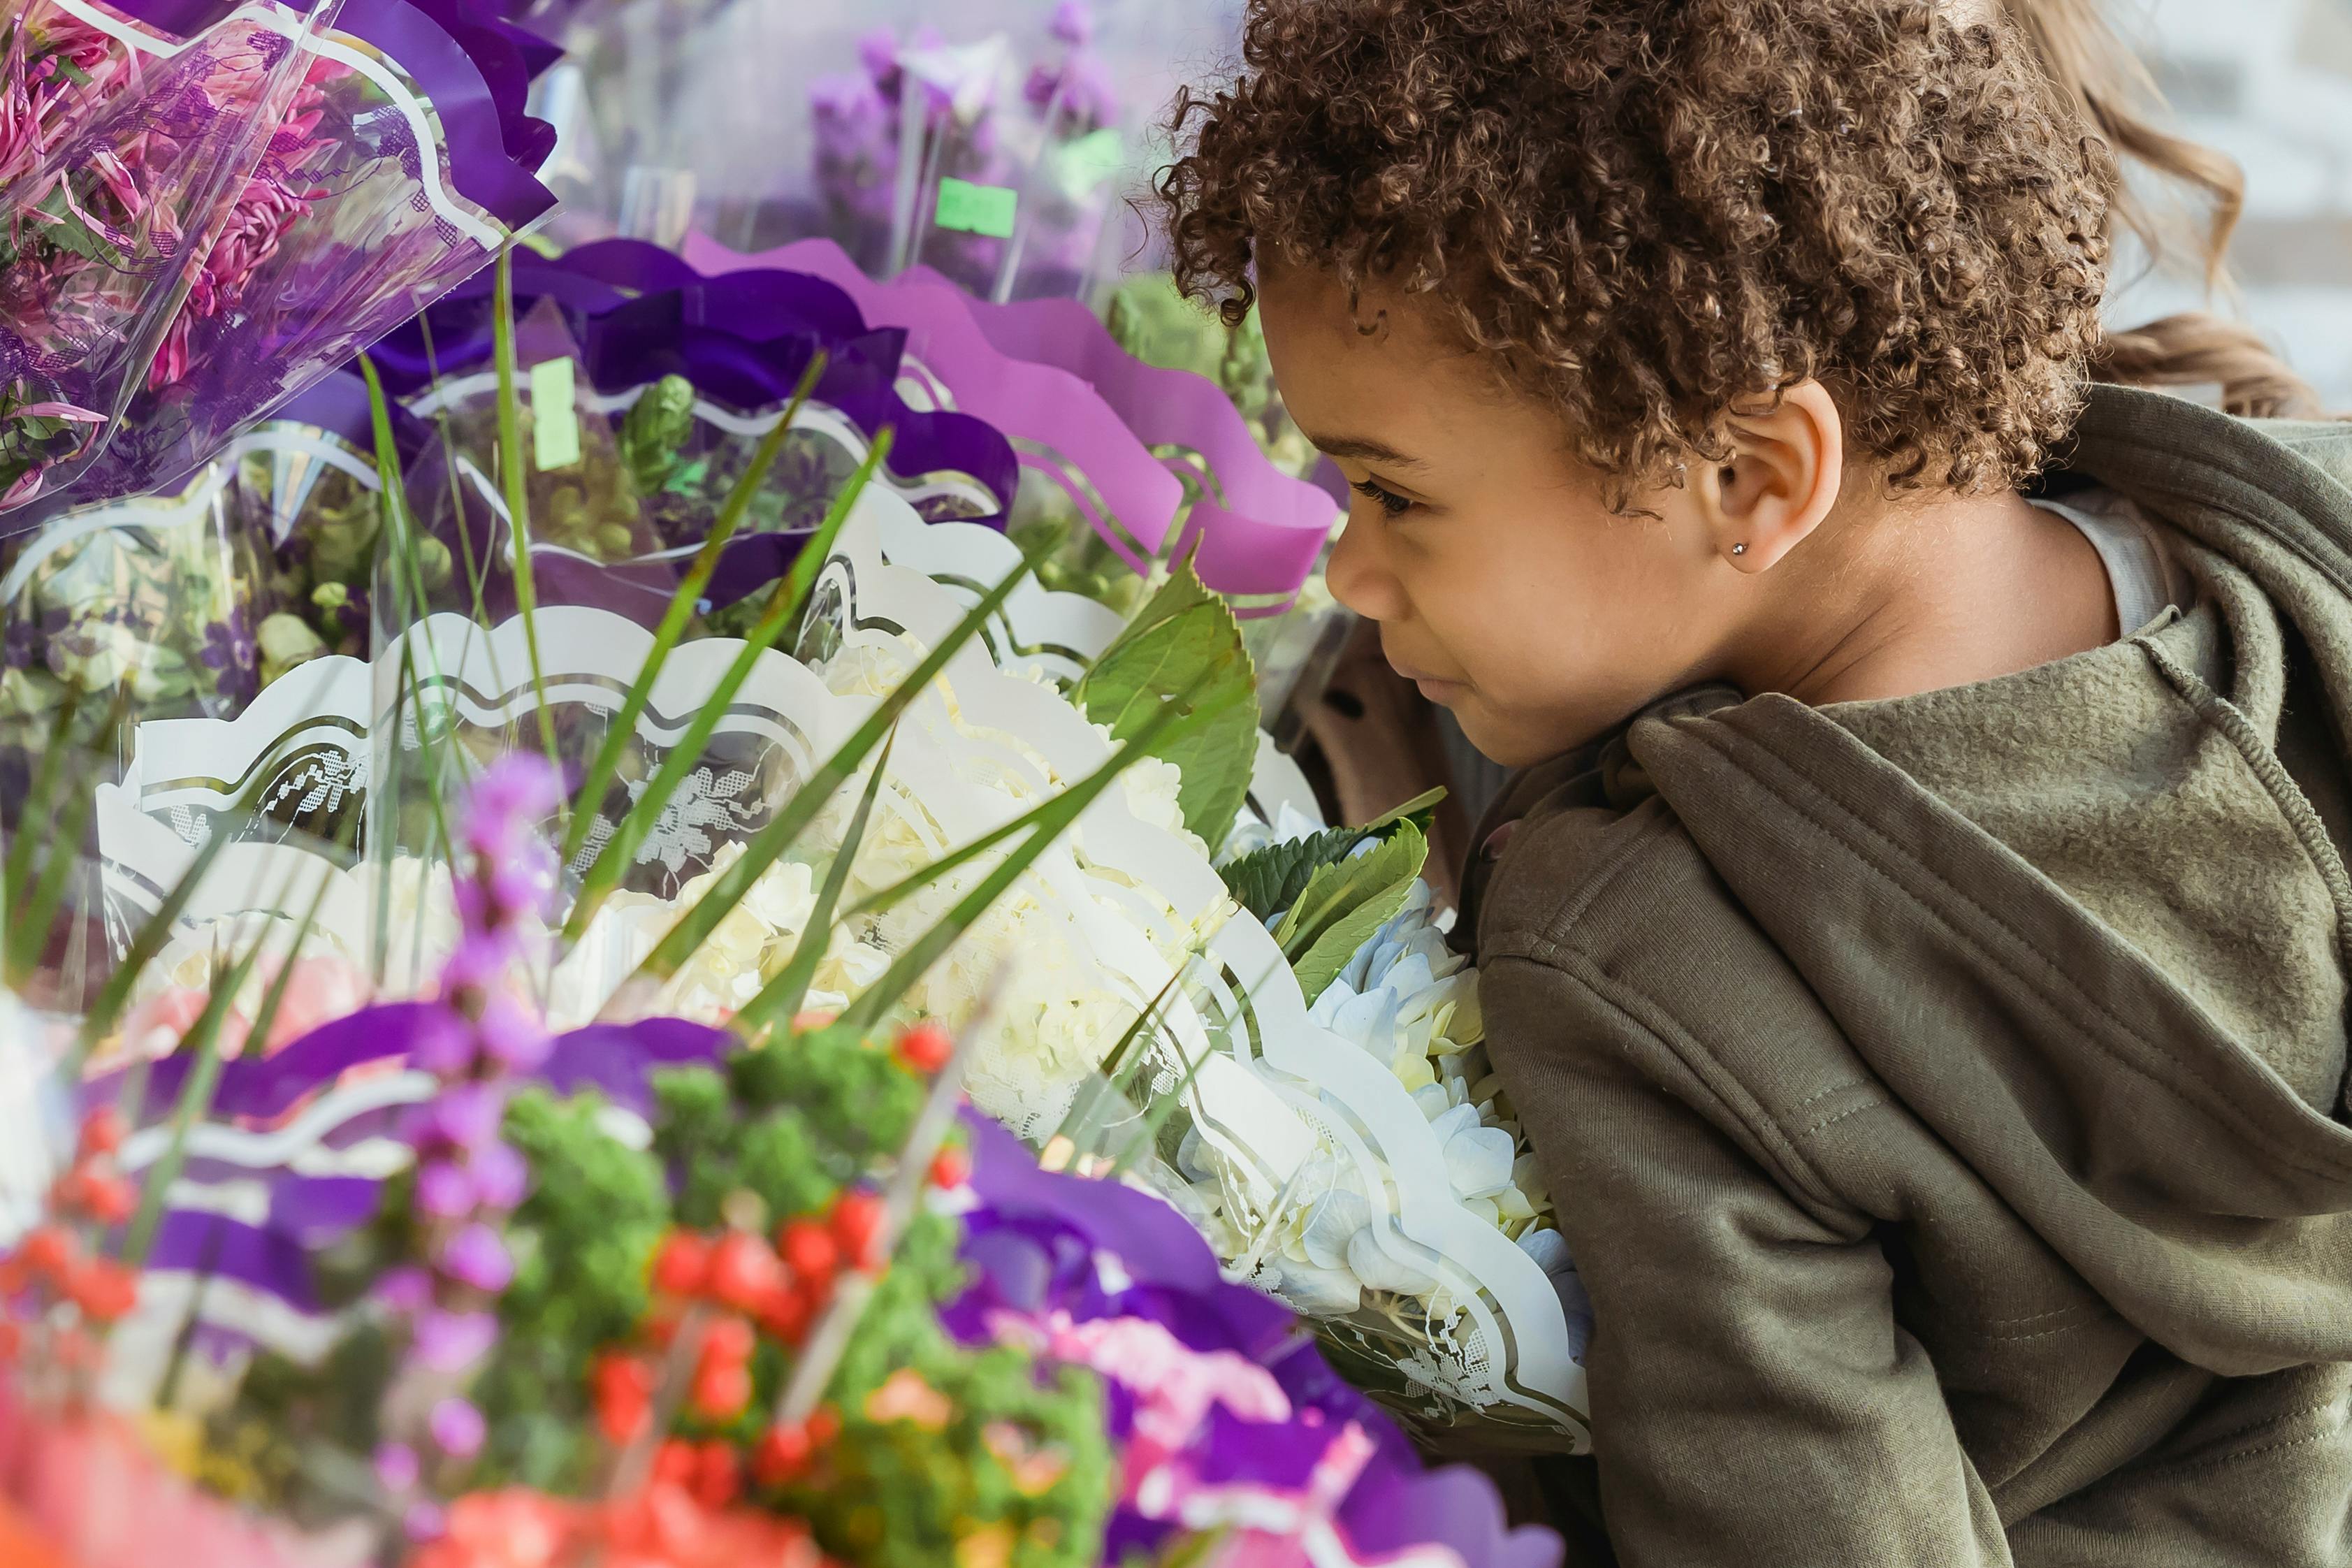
1753, 1399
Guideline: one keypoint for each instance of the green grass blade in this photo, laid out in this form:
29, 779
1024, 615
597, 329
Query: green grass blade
41, 804
1052, 821
779, 999
771, 842
518, 491
65, 850
476, 570
682, 605
620, 851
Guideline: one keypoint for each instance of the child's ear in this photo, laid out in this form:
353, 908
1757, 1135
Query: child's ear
1780, 481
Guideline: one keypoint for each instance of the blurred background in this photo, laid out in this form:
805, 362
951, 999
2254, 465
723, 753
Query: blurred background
2269, 82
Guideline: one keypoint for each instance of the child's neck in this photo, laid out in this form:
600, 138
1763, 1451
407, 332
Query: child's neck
1926, 594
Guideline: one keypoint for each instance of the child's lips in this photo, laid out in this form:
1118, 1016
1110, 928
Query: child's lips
1437, 689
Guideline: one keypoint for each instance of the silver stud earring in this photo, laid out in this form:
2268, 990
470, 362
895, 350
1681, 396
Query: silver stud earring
1740, 550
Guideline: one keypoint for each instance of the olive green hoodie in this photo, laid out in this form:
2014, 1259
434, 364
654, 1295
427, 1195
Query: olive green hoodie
1944, 1099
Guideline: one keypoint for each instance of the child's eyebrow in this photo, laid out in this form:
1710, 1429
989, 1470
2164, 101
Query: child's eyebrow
1363, 450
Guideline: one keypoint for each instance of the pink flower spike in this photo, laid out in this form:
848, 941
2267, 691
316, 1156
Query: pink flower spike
66, 411
458, 1427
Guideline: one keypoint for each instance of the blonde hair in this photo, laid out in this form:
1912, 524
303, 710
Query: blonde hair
2110, 87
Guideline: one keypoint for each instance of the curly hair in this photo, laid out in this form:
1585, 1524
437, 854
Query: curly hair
1650, 212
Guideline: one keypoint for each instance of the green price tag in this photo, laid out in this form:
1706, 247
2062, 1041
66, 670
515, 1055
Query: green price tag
554, 422
1090, 160
977, 209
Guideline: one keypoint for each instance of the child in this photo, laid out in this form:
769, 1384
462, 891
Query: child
1918, 943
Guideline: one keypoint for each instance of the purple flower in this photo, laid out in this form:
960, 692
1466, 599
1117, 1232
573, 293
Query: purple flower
452, 1341
480, 959
512, 1036
457, 1428
443, 1044
1073, 23
444, 1189
500, 1176
424, 1521
467, 1114
21, 646
476, 1256
406, 1288
507, 800
230, 654
395, 1466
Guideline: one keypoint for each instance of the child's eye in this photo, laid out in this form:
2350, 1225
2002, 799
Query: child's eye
1390, 502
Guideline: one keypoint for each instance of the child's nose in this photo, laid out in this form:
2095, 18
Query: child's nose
1358, 573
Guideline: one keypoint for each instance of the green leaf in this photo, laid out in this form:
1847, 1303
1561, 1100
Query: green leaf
1182, 633
518, 493
1343, 904
655, 429
1267, 881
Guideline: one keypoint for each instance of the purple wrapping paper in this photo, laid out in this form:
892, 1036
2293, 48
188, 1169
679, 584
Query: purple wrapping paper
476, 82
1065, 432
682, 323
1033, 1241
303, 299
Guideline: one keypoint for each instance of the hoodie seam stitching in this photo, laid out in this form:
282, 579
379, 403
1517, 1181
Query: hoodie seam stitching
2074, 1000
2192, 1467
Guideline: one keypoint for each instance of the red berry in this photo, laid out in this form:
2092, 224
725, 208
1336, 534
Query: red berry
720, 1393
109, 1200
729, 1342
788, 1315
102, 1131
677, 1463
717, 1476
951, 1167
104, 1290
783, 1453
824, 1425
745, 1273
48, 1252
926, 1047
624, 1396
857, 1225
682, 1266
14, 1275
809, 1250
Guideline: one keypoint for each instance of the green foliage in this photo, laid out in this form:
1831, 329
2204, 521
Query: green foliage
1343, 903
580, 1242
1267, 881
1185, 637
654, 432
792, 1122
1021, 1457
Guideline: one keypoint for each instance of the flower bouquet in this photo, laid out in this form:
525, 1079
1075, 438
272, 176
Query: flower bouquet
1395, 1207
432, 1283
250, 205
